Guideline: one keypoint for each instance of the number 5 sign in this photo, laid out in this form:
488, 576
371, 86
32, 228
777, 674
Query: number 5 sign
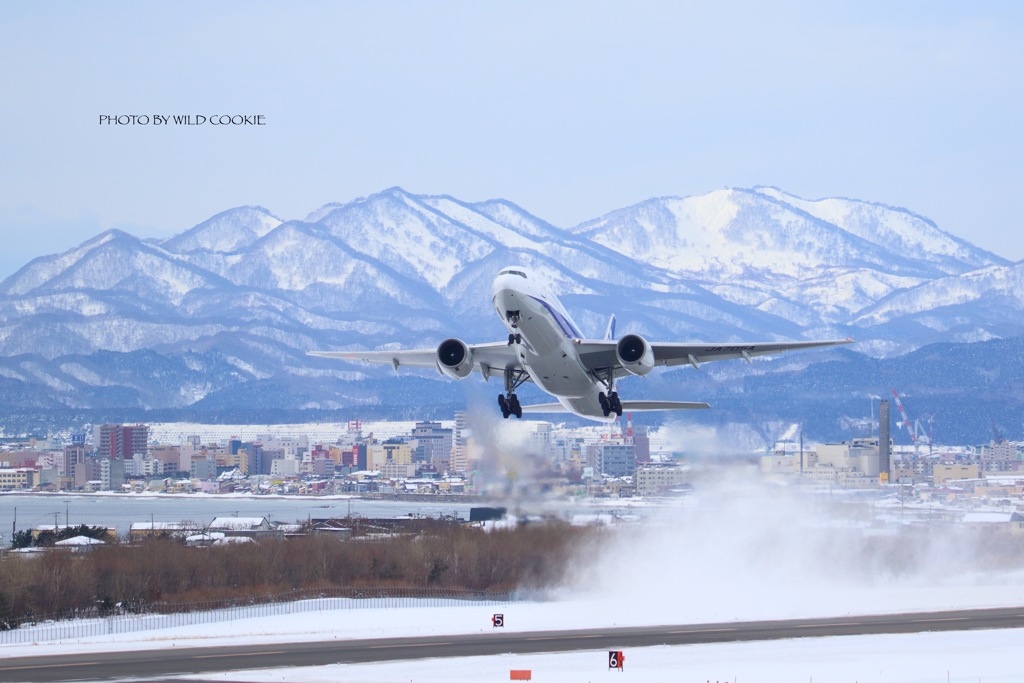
616, 659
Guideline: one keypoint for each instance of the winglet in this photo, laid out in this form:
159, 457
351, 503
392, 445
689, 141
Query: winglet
609, 332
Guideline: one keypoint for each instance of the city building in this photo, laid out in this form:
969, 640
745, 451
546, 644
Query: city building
615, 460
396, 451
460, 436
251, 527
203, 470
17, 479
943, 473
859, 456
433, 445
1001, 456
121, 442
654, 480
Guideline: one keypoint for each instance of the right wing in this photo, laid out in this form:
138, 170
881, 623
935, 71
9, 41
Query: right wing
596, 354
490, 360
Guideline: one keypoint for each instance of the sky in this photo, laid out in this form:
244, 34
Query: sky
569, 109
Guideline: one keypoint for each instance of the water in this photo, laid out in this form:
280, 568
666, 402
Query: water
121, 511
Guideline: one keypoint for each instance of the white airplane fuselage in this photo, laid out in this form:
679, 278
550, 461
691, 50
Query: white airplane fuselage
547, 342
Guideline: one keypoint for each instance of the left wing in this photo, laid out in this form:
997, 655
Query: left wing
597, 354
488, 359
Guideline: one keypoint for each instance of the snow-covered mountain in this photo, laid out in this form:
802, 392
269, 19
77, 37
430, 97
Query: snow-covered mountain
976, 306
240, 297
825, 259
226, 232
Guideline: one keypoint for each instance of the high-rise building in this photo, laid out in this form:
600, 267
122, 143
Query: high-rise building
252, 460
642, 444
357, 457
434, 444
615, 460
121, 442
74, 455
884, 440
459, 451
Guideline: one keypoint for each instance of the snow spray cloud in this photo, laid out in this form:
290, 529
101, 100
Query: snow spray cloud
505, 463
741, 548
709, 441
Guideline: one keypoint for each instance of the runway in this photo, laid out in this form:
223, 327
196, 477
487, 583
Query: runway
199, 661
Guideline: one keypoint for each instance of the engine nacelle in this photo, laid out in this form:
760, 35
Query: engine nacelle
635, 354
454, 358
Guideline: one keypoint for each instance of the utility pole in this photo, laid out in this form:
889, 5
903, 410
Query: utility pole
801, 453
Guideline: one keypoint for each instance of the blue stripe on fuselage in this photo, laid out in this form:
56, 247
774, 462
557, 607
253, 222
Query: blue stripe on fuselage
568, 329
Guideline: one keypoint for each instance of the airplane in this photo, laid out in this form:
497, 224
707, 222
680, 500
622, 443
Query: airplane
547, 348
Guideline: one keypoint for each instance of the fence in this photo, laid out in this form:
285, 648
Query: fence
129, 619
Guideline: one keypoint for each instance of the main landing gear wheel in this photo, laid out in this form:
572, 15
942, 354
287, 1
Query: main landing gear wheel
514, 378
509, 406
610, 404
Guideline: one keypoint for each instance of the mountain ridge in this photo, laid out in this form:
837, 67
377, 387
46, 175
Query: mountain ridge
400, 268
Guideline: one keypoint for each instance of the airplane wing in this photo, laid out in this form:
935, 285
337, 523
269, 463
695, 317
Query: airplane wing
597, 354
488, 359
627, 406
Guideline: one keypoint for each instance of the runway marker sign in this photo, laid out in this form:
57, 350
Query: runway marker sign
616, 659
498, 621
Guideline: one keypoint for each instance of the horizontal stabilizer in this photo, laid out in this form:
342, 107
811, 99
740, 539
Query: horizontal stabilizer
640, 406
546, 408
627, 406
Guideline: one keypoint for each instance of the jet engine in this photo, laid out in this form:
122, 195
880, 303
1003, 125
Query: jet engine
454, 358
635, 354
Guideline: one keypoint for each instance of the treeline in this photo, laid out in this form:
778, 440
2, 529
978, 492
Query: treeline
163, 572
46, 538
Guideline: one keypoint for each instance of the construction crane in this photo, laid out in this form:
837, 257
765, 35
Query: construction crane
997, 436
917, 435
903, 414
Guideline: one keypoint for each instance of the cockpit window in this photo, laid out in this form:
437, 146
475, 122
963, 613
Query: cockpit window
513, 272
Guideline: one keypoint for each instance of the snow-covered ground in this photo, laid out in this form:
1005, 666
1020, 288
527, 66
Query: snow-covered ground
966, 656
754, 553
983, 656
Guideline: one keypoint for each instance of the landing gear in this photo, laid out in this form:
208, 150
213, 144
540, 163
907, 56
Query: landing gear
514, 378
510, 406
610, 403
513, 321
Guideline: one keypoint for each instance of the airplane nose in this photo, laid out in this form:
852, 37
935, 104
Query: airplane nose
506, 302
501, 285
502, 295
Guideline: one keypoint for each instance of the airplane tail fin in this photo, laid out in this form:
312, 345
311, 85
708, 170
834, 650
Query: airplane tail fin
609, 332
